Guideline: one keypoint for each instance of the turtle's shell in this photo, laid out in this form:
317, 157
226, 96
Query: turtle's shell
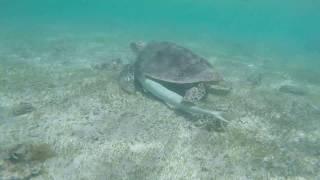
167, 61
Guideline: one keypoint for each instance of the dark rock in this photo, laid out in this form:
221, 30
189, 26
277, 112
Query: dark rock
292, 89
24, 161
30, 153
18, 153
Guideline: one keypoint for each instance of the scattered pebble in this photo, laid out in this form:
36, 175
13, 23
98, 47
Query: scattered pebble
30, 152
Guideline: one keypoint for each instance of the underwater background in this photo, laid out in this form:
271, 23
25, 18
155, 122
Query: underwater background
63, 115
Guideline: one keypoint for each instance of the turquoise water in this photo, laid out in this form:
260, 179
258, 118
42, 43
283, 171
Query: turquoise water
290, 22
59, 93
288, 28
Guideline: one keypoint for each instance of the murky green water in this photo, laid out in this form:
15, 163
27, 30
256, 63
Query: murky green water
63, 115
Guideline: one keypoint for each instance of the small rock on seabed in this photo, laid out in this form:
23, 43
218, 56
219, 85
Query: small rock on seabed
24, 161
22, 108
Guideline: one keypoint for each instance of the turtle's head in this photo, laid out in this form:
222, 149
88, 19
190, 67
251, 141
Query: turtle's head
137, 47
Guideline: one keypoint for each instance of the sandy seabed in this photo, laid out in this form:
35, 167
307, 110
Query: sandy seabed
63, 116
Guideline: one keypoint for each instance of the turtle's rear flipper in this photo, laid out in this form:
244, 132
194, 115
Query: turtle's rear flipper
194, 94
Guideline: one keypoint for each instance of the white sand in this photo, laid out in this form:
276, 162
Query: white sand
99, 132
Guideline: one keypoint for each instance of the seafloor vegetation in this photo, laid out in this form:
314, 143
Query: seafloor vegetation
63, 116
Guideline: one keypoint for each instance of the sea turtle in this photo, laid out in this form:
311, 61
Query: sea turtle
172, 73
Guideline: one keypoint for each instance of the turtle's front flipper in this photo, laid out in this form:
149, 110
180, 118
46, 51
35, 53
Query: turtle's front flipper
126, 79
195, 94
